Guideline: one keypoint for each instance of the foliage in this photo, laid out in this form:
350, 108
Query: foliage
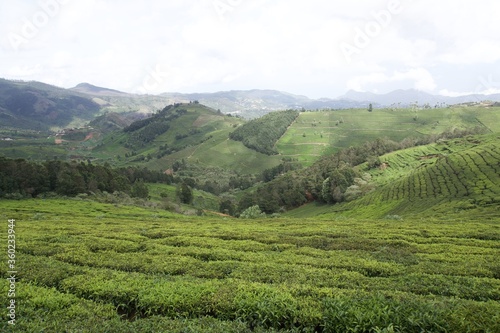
31, 179
252, 213
262, 134
185, 193
335, 178
139, 189
97, 267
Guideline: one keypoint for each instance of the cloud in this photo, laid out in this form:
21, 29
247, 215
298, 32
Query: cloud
420, 78
287, 45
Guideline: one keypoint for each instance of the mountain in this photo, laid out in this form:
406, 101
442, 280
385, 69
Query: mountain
255, 103
87, 88
191, 132
39, 106
410, 96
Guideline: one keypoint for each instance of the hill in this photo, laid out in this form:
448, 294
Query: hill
456, 176
412, 96
190, 132
87, 88
318, 133
262, 134
38, 106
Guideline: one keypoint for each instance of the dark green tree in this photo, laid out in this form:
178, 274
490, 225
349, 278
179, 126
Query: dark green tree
185, 193
139, 189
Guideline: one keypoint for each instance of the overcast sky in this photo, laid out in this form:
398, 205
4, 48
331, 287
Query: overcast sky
317, 48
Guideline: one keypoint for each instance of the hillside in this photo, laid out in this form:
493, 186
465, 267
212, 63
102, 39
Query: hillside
192, 132
314, 134
457, 176
262, 134
38, 106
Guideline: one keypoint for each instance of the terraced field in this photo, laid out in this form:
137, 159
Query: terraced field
460, 175
315, 133
89, 267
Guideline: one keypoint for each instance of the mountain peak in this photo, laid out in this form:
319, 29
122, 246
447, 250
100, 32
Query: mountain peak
88, 88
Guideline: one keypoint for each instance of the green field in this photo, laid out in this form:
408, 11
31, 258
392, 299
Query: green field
89, 267
167, 193
457, 176
314, 134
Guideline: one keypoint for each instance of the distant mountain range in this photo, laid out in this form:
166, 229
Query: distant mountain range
255, 103
36, 105
411, 96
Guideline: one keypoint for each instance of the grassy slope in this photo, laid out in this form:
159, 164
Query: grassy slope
460, 175
83, 264
218, 150
322, 136
201, 200
316, 133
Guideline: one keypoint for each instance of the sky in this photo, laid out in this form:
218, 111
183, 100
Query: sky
316, 48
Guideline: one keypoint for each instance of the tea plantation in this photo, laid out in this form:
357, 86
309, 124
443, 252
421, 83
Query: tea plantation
84, 266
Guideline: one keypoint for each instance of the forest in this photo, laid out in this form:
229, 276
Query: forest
24, 179
262, 134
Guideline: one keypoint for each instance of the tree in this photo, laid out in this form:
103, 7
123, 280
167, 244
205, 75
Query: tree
185, 193
139, 189
370, 108
227, 207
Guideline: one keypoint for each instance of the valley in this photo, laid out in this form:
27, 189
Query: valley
177, 217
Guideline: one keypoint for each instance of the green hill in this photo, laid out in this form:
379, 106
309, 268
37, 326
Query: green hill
460, 177
262, 134
314, 134
39, 106
192, 132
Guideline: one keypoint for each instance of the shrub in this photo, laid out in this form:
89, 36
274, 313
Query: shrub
252, 213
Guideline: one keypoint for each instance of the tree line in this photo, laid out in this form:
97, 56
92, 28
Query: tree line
21, 178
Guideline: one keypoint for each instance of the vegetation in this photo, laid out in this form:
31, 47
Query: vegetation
105, 268
262, 134
318, 133
26, 105
404, 238
457, 175
334, 178
21, 178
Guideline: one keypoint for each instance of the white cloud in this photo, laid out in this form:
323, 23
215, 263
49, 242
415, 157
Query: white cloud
420, 79
279, 44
